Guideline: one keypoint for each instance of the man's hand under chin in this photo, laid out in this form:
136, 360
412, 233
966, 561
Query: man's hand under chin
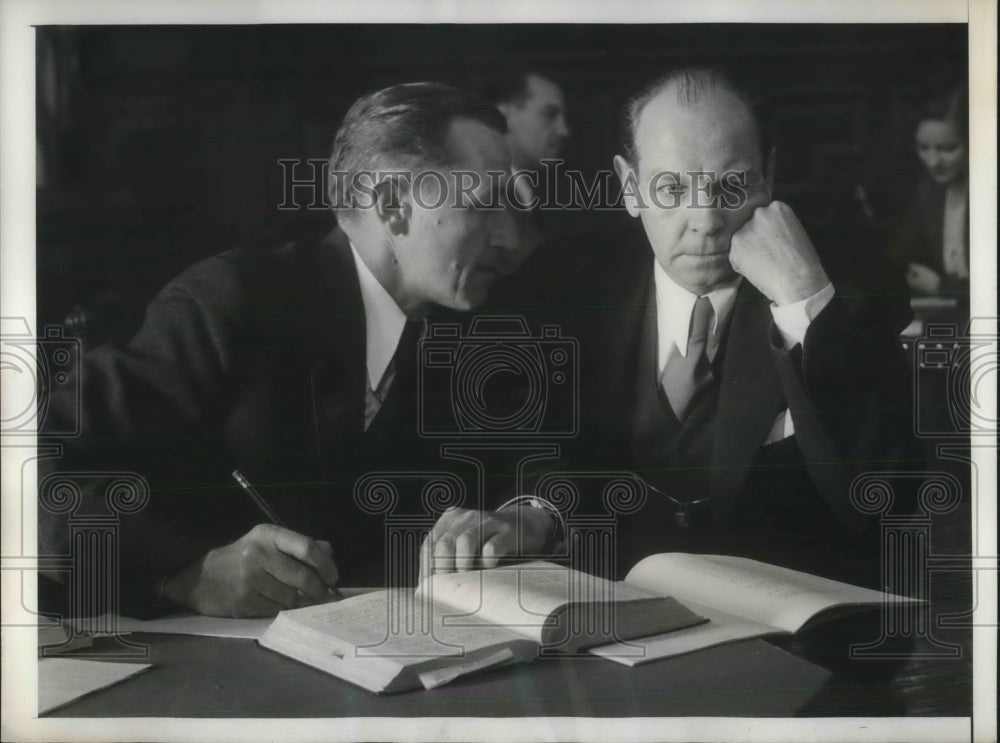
774, 253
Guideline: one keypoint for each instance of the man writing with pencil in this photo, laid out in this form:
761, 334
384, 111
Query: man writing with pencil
294, 367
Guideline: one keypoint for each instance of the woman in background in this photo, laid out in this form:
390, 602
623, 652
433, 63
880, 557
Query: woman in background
932, 242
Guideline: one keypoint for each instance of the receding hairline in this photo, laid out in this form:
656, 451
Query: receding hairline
693, 87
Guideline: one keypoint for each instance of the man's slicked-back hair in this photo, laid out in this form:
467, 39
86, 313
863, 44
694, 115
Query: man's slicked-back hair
691, 84
401, 127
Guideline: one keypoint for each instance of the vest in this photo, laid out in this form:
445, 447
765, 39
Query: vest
672, 455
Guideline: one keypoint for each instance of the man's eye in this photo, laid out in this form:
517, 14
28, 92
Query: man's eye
672, 188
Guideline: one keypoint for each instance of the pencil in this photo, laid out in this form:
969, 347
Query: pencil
269, 513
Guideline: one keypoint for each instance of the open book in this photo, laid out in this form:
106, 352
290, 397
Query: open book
458, 623
741, 598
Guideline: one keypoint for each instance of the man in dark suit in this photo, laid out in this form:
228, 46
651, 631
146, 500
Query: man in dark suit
296, 366
744, 384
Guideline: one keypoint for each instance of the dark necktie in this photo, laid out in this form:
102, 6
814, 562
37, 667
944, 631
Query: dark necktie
684, 376
400, 369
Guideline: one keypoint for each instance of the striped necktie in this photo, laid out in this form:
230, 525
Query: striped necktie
685, 376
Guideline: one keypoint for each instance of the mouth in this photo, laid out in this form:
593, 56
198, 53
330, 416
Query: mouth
488, 272
708, 256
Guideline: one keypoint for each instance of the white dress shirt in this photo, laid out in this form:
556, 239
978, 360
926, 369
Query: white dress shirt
674, 305
384, 323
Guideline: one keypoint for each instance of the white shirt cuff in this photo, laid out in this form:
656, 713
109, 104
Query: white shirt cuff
792, 320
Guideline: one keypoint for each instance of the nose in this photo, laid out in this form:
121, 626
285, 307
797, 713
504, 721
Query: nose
503, 230
562, 128
705, 220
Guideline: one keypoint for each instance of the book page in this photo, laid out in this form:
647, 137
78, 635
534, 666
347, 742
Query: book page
440, 676
778, 597
388, 626
721, 628
528, 598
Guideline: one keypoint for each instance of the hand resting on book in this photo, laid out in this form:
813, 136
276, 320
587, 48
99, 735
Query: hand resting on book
467, 539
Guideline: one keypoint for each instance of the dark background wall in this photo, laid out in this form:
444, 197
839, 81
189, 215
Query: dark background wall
160, 145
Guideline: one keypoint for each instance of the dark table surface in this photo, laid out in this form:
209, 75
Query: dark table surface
213, 677
808, 675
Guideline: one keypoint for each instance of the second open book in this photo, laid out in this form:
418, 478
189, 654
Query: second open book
741, 598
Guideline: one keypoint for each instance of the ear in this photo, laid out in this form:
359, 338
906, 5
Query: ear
769, 172
393, 206
630, 181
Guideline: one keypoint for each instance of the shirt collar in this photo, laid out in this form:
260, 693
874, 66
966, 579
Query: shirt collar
384, 322
674, 305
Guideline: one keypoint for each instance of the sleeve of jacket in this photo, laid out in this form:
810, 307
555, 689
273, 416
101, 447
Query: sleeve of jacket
138, 402
849, 390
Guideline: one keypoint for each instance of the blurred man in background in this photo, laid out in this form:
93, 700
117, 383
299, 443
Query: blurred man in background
537, 129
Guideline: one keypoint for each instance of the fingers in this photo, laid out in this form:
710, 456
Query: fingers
467, 540
281, 565
254, 604
443, 560
496, 547
774, 252
467, 546
305, 550
440, 547
268, 589
295, 576
426, 559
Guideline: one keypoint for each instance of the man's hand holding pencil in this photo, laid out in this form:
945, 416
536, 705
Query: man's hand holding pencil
268, 569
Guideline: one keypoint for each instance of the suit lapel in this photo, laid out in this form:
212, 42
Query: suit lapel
338, 379
750, 397
648, 406
618, 351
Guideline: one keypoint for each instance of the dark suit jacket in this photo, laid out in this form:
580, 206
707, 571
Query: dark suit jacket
847, 388
919, 236
253, 359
